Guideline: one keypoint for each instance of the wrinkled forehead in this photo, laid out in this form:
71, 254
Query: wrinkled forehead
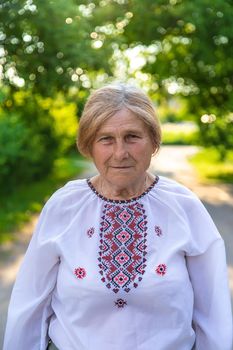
123, 120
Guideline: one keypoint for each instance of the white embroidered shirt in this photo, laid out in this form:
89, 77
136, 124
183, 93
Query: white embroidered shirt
143, 274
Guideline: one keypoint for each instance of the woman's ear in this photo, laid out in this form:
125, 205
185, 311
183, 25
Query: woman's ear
155, 150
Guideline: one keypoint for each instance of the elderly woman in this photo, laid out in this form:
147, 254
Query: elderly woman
125, 260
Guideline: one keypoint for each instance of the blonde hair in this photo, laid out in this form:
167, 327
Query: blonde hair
103, 103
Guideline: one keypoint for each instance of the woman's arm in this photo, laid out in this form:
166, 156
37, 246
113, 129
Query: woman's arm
212, 315
29, 309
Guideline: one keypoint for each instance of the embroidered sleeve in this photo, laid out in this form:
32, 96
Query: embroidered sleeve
207, 268
29, 308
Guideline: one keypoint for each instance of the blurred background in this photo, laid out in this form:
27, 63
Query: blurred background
53, 53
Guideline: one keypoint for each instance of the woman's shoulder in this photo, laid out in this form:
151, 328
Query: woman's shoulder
174, 188
60, 208
174, 194
69, 192
187, 206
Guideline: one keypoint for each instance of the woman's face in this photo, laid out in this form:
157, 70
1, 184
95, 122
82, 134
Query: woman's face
122, 149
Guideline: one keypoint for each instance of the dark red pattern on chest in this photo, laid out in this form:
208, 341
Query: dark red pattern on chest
122, 253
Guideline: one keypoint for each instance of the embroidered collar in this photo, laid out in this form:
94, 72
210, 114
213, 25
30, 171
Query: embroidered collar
118, 201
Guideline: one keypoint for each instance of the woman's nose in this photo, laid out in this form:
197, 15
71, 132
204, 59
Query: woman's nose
120, 150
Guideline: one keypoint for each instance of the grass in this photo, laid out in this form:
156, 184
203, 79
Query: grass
180, 138
209, 167
18, 208
179, 134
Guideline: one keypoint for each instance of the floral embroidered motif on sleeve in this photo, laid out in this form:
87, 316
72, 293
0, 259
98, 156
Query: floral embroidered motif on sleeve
161, 269
80, 272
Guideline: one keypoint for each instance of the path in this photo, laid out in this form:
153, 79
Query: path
171, 162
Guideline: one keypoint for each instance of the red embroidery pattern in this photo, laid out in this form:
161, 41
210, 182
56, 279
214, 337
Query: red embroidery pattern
90, 232
80, 272
161, 269
120, 303
158, 231
122, 245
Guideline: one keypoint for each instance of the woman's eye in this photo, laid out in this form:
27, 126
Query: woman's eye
105, 139
132, 137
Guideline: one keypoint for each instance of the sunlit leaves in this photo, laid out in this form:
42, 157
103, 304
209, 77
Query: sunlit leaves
45, 42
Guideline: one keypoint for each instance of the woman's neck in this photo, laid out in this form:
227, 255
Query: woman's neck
121, 191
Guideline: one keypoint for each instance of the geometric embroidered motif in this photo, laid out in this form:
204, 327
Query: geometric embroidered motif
90, 232
158, 231
120, 303
122, 254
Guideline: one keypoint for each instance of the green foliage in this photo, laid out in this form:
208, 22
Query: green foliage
218, 133
63, 116
173, 110
210, 168
46, 45
187, 48
23, 154
33, 131
180, 138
